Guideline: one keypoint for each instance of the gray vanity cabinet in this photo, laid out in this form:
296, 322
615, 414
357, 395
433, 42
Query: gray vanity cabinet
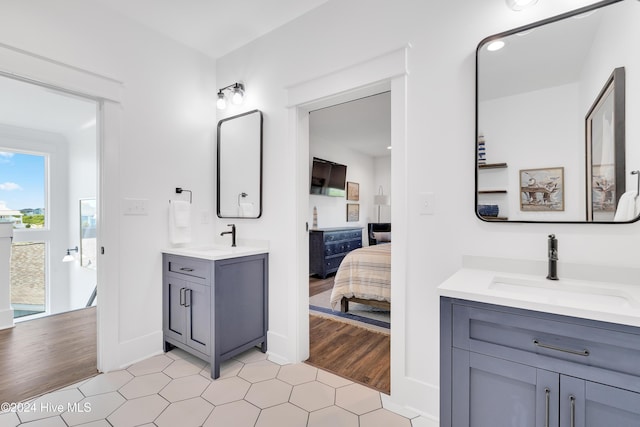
503, 366
215, 309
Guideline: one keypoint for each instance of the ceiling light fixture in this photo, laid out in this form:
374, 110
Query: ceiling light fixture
518, 5
237, 95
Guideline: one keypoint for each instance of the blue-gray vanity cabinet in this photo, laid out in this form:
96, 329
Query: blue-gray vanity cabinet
502, 366
215, 309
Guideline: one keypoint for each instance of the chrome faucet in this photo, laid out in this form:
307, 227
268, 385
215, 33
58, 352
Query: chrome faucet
553, 258
233, 234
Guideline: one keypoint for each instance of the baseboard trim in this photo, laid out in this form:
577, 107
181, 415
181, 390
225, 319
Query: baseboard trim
139, 349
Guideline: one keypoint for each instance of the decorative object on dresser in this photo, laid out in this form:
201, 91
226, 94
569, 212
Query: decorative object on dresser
353, 191
328, 246
215, 310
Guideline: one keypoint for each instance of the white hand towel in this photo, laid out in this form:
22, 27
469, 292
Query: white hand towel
179, 222
246, 210
628, 207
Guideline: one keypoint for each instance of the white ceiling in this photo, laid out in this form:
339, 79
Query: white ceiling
363, 125
34, 107
213, 27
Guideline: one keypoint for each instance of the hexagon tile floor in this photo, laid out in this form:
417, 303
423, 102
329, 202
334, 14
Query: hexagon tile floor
175, 389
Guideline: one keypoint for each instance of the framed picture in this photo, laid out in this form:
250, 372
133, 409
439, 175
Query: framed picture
542, 190
353, 191
605, 148
353, 212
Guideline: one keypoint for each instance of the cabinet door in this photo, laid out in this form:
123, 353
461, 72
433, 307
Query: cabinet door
175, 325
588, 404
492, 392
198, 316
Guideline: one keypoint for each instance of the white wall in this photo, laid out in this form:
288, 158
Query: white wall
440, 146
382, 178
165, 139
545, 131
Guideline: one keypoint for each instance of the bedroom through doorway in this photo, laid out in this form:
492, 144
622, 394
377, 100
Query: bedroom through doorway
350, 239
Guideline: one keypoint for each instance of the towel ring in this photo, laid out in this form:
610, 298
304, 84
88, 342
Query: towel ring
180, 191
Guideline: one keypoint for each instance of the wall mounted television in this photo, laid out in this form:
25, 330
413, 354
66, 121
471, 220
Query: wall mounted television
328, 178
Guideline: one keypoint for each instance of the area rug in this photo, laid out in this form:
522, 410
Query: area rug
359, 314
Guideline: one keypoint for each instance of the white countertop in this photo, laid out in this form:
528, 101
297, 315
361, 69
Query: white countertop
603, 301
216, 252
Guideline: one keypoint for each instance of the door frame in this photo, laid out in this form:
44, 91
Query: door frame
107, 92
387, 71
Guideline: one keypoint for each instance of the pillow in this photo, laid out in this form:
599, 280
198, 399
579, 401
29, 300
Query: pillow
382, 236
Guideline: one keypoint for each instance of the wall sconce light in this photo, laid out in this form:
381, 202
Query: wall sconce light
68, 257
518, 5
237, 95
380, 199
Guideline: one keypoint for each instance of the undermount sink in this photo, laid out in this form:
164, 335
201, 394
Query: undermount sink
566, 293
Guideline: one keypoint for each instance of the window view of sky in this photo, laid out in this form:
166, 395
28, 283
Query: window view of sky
22, 180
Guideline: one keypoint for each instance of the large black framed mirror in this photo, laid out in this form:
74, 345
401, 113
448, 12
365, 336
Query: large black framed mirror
239, 166
552, 143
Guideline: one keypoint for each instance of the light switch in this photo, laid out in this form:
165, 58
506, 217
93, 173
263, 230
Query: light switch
135, 207
427, 203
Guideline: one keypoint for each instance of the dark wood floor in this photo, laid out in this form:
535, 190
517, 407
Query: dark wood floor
318, 285
359, 354
45, 354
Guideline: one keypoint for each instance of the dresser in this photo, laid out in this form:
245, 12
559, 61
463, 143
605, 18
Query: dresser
328, 246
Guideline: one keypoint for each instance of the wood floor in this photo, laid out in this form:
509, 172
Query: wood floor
318, 286
352, 352
45, 354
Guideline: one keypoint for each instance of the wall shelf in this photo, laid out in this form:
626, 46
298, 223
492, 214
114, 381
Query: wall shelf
492, 166
492, 191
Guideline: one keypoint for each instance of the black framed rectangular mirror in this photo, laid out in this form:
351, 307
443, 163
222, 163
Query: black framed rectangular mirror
239, 166
552, 143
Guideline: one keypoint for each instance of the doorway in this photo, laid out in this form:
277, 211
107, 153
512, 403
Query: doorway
48, 150
48, 192
353, 342
381, 73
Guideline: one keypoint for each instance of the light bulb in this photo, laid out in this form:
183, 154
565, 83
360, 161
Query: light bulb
221, 103
237, 97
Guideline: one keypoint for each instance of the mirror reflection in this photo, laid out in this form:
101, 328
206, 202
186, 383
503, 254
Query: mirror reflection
552, 143
239, 166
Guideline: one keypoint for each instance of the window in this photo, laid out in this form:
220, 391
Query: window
23, 189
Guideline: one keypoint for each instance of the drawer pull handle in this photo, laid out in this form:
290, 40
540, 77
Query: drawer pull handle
547, 400
572, 421
186, 269
565, 350
182, 296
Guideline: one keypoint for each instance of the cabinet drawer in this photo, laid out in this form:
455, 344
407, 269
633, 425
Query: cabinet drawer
188, 267
341, 247
333, 263
529, 336
342, 235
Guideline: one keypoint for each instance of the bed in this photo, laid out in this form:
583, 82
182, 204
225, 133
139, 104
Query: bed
364, 276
